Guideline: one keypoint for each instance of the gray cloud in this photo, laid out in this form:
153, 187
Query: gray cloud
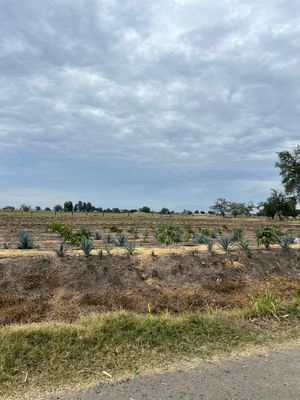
174, 102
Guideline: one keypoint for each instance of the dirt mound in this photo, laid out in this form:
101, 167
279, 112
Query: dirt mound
39, 288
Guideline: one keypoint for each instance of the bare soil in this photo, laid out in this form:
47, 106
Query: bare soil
39, 288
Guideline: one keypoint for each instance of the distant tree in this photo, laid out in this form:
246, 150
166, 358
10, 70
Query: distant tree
202, 212
164, 210
47, 209
289, 165
279, 205
196, 212
57, 207
221, 206
188, 212
145, 209
68, 206
25, 207
116, 210
9, 208
37, 208
240, 208
78, 206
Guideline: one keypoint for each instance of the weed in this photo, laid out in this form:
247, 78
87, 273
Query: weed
24, 241
6, 246
100, 254
264, 305
108, 248
115, 229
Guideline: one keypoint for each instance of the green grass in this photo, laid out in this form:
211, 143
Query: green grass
55, 355
120, 343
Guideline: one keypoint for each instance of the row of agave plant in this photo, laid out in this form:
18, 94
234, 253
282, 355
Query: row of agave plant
86, 244
166, 234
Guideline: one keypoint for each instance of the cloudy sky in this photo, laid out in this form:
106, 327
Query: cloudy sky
136, 102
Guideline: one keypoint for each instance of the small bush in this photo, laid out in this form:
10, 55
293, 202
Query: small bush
24, 241
61, 250
167, 234
267, 236
86, 245
5, 246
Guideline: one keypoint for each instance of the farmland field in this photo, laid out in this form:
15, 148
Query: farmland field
179, 283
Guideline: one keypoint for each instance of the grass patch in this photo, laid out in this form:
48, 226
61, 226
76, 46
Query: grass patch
38, 357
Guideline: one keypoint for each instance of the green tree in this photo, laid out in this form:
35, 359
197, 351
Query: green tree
68, 206
164, 210
221, 206
279, 205
145, 209
289, 165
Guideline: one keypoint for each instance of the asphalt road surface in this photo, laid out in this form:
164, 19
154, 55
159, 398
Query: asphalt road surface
272, 376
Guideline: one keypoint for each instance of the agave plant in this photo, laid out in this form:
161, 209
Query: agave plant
210, 247
121, 240
286, 241
201, 238
244, 244
225, 243
61, 250
24, 241
98, 235
237, 234
86, 245
130, 247
109, 239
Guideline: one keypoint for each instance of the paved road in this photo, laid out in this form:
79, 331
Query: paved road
273, 376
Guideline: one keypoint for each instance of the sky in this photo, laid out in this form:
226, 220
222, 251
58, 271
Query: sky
165, 103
